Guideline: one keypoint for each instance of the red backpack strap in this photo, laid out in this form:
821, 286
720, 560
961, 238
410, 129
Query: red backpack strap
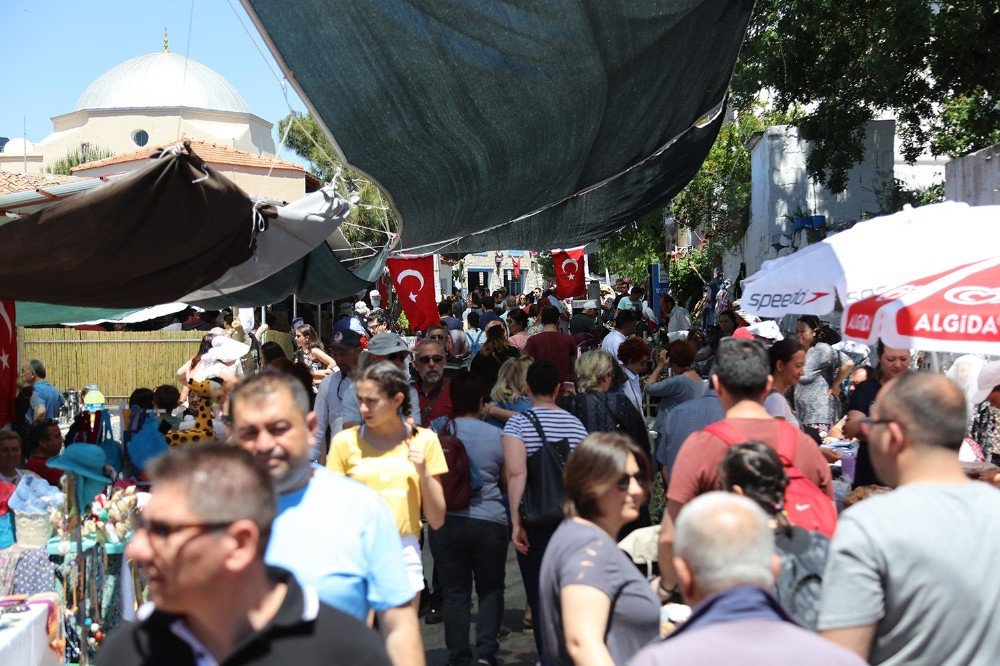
788, 441
727, 432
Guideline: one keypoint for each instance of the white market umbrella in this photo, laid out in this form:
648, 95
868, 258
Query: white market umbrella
955, 311
873, 256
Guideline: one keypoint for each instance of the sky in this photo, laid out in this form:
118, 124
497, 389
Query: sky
53, 49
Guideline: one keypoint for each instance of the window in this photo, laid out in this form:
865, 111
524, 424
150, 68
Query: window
140, 138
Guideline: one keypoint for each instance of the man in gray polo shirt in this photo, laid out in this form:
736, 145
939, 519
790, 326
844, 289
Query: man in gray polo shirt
903, 581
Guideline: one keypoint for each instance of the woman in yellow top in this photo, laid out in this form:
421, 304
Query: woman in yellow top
400, 462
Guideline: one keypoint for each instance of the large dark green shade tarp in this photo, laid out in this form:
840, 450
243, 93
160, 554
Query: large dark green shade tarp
529, 124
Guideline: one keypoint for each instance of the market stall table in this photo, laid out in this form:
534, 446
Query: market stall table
24, 637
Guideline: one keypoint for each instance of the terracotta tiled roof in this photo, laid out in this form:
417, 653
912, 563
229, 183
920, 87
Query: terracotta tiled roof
11, 182
210, 152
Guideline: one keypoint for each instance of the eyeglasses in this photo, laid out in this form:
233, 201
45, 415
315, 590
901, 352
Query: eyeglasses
163, 530
435, 358
626, 480
866, 425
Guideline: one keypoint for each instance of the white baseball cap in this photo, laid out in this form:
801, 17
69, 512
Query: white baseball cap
989, 378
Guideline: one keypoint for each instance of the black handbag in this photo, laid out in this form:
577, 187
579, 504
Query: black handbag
541, 504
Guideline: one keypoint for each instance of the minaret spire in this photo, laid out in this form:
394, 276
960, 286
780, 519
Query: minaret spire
166, 41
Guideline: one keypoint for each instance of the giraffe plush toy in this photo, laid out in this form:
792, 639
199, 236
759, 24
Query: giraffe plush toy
207, 392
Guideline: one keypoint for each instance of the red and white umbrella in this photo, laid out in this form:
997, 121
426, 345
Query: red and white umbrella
957, 310
871, 257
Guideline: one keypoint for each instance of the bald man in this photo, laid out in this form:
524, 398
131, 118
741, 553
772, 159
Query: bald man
904, 590
726, 567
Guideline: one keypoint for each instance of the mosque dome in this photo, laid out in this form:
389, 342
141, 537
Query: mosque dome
18, 146
160, 80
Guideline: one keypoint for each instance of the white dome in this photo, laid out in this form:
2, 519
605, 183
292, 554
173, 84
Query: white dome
159, 80
18, 146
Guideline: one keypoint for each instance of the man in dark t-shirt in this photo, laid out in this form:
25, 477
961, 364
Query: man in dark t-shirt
212, 599
551, 345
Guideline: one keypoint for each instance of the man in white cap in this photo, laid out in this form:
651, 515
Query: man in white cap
349, 320
376, 298
585, 320
345, 348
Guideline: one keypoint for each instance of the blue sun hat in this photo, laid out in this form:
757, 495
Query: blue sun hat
87, 462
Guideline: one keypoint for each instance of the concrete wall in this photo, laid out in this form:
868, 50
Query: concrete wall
781, 188
975, 178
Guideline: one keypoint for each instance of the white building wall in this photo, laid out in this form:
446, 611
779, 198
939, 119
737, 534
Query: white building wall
781, 189
485, 260
975, 178
113, 128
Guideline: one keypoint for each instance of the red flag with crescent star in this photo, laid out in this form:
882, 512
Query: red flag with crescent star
568, 266
413, 282
8, 362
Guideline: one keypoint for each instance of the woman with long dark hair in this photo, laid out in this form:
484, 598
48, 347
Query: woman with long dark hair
496, 350
309, 351
754, 470
788, 359
817, 395
401, 462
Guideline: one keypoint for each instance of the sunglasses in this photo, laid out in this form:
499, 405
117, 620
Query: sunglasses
866, 425
626, 480
163, 530
435, 358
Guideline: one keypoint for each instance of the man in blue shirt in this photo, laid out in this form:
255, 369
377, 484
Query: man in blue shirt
683, 420
46, 400
333, 533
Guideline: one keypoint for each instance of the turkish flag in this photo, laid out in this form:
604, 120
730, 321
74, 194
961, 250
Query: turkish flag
413, 282
517, 267
8, 363
568, 266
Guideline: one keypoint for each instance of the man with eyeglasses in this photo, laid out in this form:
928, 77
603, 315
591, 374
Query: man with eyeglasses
345, 348
201, 540
431, 384
905, 588
331, 532
383, 347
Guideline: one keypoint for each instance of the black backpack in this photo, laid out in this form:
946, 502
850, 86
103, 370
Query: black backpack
800, 583
541, 504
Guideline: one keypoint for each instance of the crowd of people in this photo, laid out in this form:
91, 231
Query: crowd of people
518, 423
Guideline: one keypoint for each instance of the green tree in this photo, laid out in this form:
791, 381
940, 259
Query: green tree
85, 153
716, 203
849, 62
371, 214
630, 251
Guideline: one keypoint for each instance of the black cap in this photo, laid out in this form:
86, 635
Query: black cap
344, 340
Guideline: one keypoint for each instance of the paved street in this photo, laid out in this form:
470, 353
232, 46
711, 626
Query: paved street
518, 649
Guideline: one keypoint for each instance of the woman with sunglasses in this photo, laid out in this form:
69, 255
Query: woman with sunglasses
401, 462
596, 606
